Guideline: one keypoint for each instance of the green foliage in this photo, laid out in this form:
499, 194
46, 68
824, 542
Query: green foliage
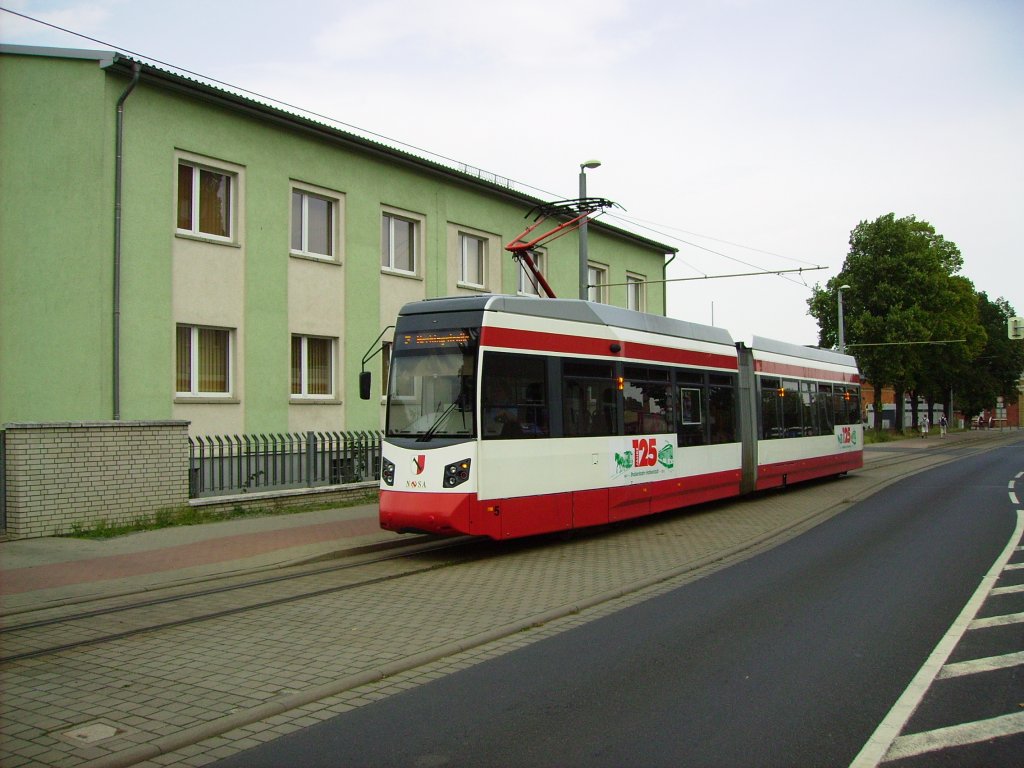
904, 287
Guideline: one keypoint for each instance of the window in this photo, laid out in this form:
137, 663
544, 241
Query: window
203, 361
647, 407
597, 280
528, 285
473, 251
313, 225
722, 408
399, 251
635, 293
691, 416
312, 367
590, 399
205, 201
514, 396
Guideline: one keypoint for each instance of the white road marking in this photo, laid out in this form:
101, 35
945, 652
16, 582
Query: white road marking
887, 732
957, 735
1014, 567
1010, 484
1019, 475
1013, 498
998, 621
975, 666
1012, 590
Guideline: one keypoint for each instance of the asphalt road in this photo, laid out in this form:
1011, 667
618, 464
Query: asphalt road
790, 658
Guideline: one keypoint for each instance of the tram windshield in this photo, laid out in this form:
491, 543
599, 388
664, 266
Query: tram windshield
432, 386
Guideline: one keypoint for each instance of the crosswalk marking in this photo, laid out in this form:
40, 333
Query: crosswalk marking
975, 666
956, 735
997, 621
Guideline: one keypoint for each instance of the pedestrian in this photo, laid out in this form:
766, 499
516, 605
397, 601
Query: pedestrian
942, 425
924, 426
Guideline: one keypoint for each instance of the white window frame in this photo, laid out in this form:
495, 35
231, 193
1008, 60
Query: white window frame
234, 192
525, 286
336, 202
597, 279
637, 283
195, 392
416, 242
303, 393
465, 238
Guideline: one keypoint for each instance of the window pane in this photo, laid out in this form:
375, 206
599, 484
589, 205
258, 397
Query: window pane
214, 203
590, 407
790, 401
646, 408
318, 356
596, 280
771, 423
722, 414
183, 359
184, 197
319, 225
297, 223
402, 245
213, 360
514, 396
296, 365
527, 282
472, 260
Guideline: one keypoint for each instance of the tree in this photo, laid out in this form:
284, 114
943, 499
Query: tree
903, 290
997, 368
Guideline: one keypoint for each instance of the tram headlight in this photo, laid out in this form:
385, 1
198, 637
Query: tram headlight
387, 472
456, 474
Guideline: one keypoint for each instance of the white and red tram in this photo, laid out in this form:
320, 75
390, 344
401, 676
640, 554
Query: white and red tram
511, 416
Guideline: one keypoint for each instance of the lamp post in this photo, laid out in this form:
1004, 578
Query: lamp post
842, 337
584, 271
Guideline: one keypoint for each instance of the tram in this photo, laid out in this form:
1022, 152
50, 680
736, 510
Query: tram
514, 416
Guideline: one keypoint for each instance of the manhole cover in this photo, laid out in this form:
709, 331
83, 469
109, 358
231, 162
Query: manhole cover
92, 733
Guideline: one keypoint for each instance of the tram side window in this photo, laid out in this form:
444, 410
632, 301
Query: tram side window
806, 406
691, 416
722, 409
823, 409
514, 396
590, 399
771, 411
646, 402
847, 404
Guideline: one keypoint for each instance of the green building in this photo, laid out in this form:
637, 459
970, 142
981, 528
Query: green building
172, 250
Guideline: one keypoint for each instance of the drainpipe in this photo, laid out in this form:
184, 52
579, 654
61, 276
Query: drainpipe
118, 163
664, 282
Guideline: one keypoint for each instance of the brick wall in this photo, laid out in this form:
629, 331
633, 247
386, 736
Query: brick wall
67, 473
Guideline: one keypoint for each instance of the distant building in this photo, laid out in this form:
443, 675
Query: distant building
173, 250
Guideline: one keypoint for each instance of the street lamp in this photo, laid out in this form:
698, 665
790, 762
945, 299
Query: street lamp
842, 339
584, 270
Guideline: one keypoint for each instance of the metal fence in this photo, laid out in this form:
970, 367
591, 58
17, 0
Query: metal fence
230, 464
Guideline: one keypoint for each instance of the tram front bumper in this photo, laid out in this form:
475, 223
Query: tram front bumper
444, 514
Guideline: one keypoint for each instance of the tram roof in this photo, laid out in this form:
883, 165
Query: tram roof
575, 310
761, 344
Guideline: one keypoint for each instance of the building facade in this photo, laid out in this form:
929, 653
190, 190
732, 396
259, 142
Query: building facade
174, 251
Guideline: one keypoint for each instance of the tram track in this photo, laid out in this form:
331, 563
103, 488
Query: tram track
92, 626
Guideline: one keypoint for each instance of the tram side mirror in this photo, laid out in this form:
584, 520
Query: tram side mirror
365, 381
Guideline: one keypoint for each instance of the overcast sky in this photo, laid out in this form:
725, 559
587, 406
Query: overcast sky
763, 130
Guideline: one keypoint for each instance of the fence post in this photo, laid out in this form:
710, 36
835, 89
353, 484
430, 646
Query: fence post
310, 459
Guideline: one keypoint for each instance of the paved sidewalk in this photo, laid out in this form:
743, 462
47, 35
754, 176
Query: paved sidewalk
196, 693
45, 572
